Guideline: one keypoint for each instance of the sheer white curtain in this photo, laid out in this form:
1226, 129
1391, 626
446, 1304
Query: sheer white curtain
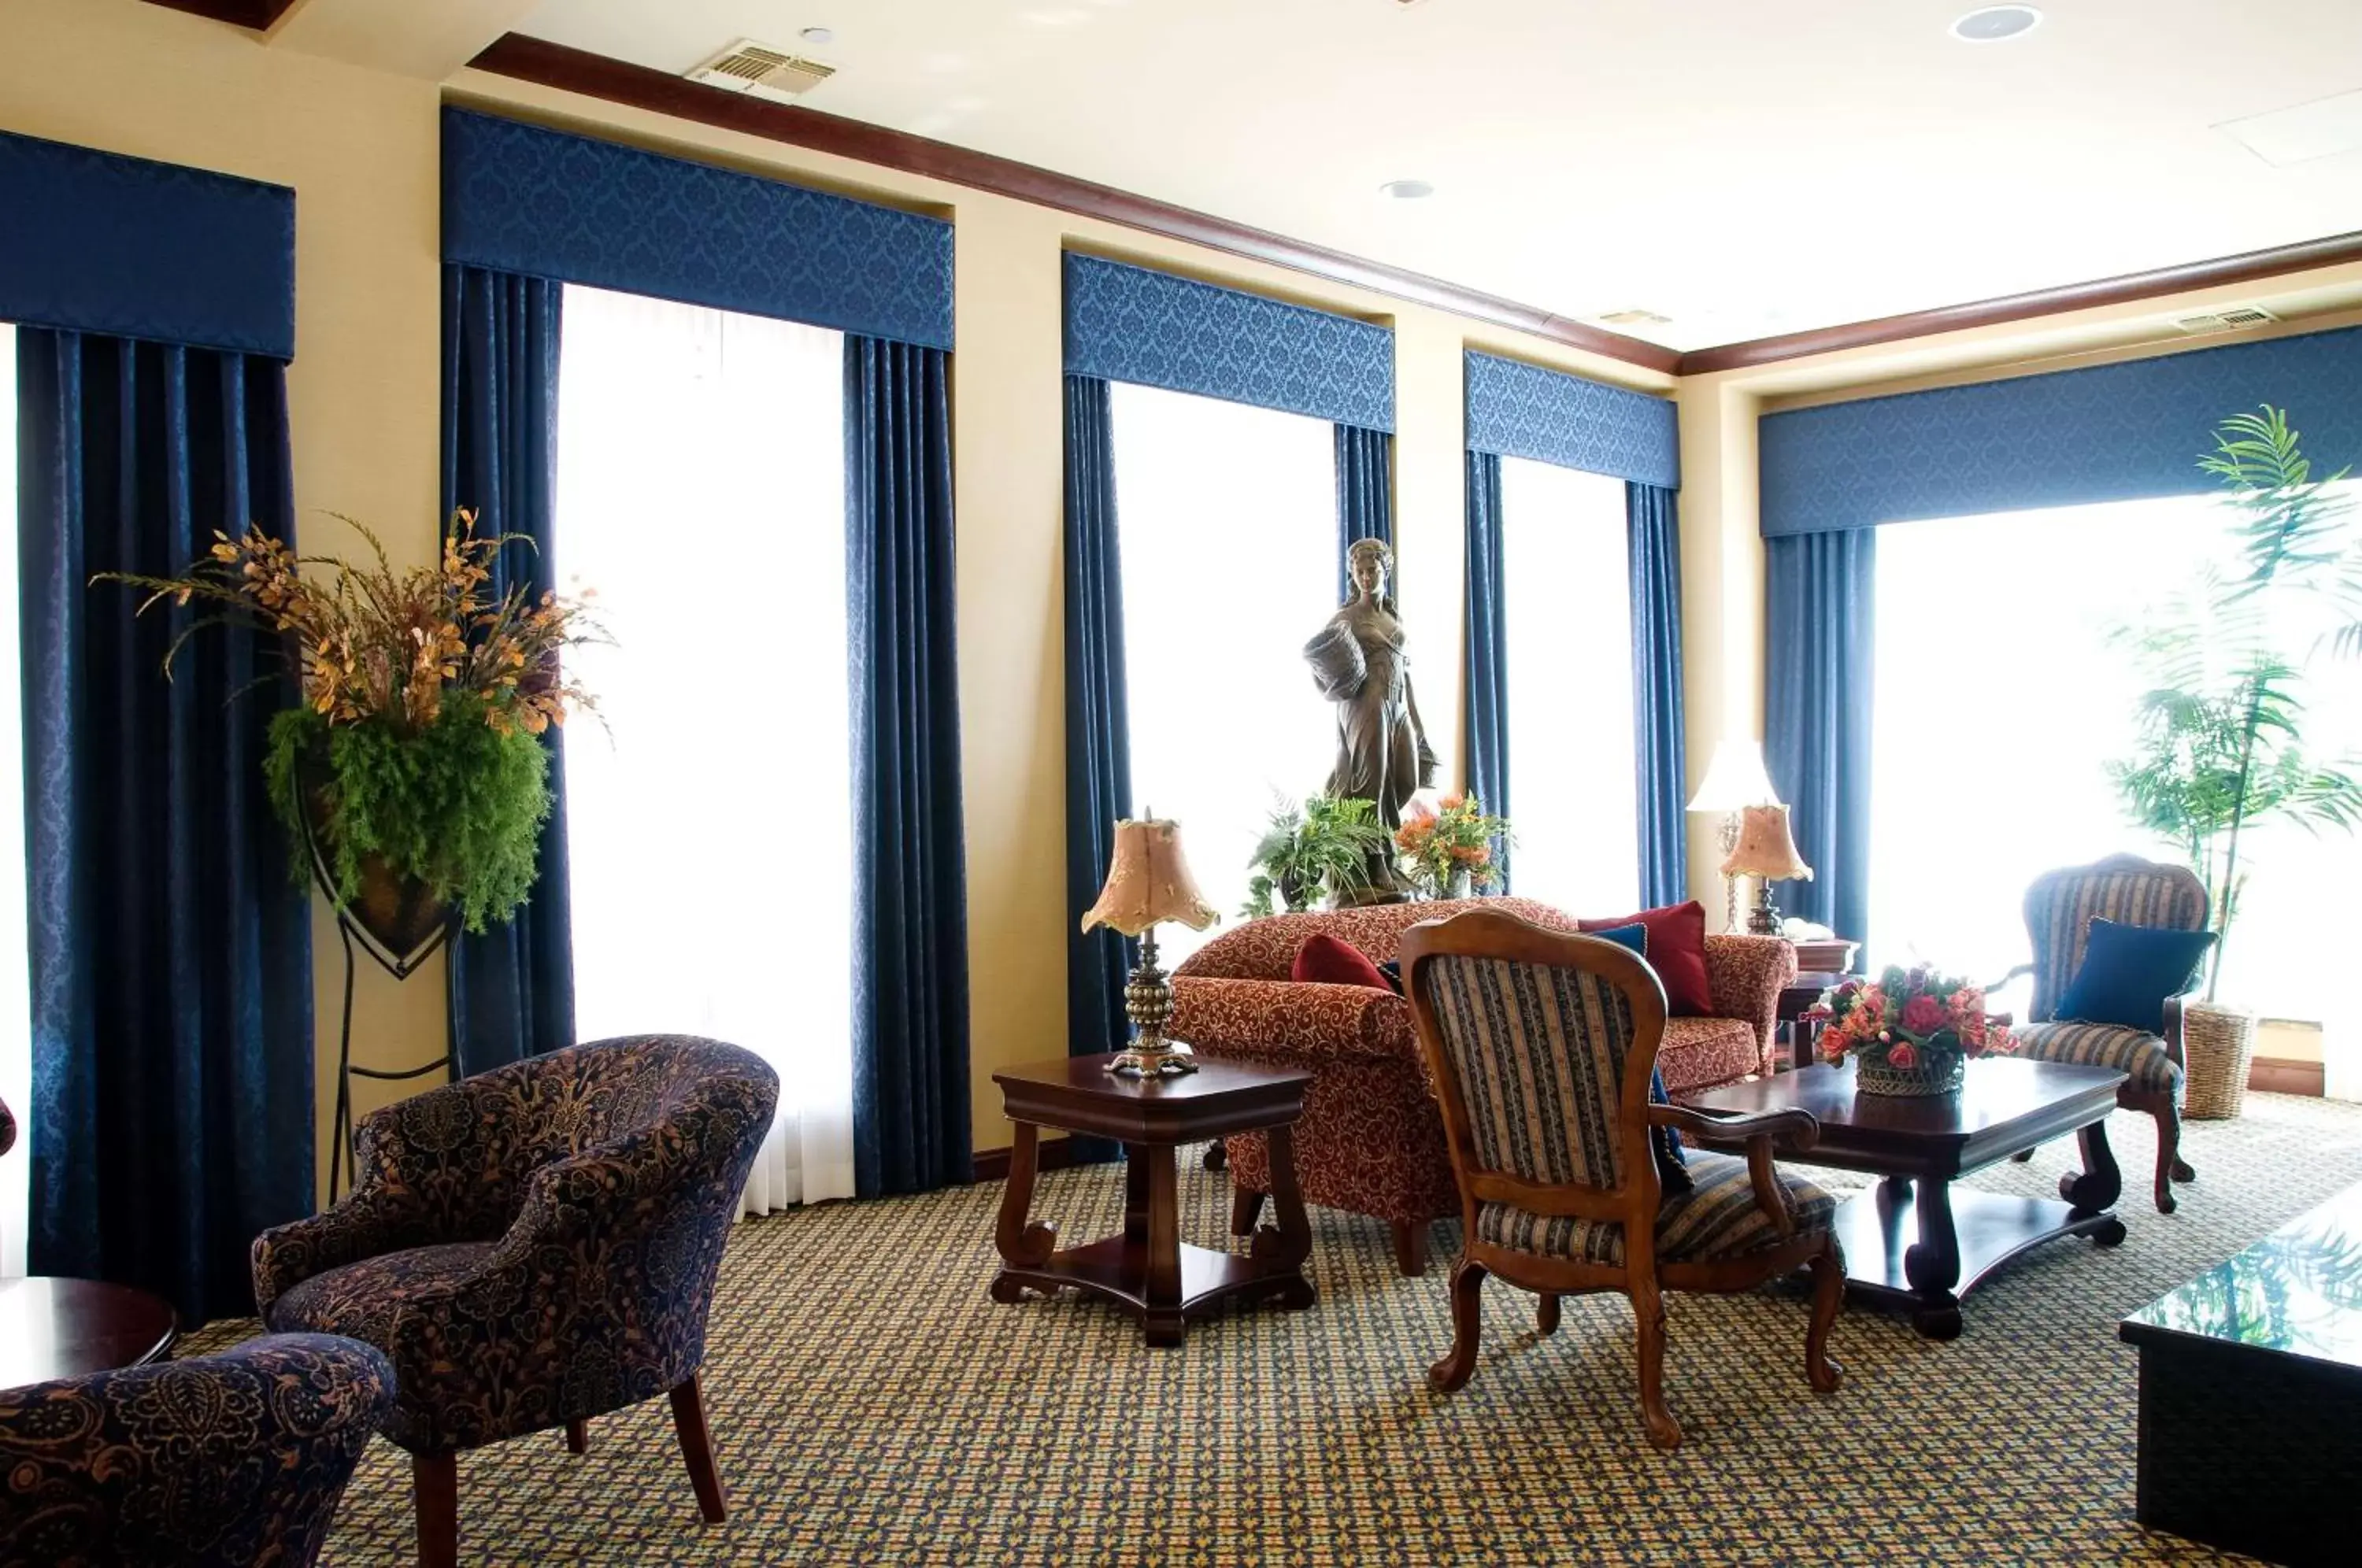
1566, 617
1999, 703
16, 996
1226, 520
701, 498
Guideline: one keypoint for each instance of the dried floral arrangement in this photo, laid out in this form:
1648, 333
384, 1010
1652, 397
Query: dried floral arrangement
423, 695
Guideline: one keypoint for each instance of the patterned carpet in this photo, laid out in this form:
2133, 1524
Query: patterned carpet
870, 1405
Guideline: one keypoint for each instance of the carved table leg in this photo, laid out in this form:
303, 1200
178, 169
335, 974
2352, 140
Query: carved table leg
1933, 1264
2099, 1184
1161, 1230
1023, 1243
1289, 1245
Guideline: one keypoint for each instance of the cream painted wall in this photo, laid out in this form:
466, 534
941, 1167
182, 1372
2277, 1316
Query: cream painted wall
359, 146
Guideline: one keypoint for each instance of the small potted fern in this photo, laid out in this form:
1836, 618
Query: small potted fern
1324, 845
412, 776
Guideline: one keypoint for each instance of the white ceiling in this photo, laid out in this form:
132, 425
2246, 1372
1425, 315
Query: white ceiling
1745, 167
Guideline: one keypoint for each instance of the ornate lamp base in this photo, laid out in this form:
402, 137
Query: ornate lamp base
1148, 1002
1763, 920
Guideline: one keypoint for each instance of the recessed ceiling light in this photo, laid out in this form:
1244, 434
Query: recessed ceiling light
1407, 190
819, 35
1992, 24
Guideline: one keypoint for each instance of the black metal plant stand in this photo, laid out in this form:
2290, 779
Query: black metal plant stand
344, 1159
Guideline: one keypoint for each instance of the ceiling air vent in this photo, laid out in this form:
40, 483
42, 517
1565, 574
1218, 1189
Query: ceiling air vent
2233, 318
762, 72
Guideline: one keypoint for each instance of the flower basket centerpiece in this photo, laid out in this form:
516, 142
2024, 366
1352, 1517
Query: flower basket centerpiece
1911, 1031
1448, 853
412, 776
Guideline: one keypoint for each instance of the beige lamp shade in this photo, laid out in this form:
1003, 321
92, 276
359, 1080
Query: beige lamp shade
1148, 882
1735, 780
1766, 848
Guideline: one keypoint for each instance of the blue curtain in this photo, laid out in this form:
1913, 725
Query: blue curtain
1485, 728
169, 940
1652, 542
909, 1000
1820, 591
1365, 493
1098, 723
512, 987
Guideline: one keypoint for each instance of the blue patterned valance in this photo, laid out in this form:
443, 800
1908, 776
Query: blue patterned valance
2065, 438
517, 198
1127, 324
94, 242
1517, 410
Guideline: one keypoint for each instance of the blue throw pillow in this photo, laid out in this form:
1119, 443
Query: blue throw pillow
2127, 973
1673, 1163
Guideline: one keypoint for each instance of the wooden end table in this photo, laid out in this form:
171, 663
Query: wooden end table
1798, 995
52, 1329
1914, 1240
1148, 1270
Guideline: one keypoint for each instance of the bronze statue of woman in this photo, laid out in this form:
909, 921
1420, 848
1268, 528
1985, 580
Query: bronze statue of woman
1358, 664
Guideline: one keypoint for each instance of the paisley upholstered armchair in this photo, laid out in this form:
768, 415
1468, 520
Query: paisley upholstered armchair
219, 1461
535, 1246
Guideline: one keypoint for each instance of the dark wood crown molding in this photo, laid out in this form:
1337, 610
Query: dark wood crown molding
258, 15
618, 82
2241, 269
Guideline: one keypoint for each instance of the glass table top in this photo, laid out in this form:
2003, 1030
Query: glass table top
2298, 1291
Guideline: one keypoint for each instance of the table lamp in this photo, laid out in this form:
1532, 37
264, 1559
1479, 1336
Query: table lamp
1149, 882
1735, 780
1766, 850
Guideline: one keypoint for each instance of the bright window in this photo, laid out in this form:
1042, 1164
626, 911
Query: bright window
1227, 519
700, 497
1566, 617
16, 993
2000, 700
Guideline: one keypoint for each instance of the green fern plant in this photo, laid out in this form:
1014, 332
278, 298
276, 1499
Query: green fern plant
2221, 726
1325, 844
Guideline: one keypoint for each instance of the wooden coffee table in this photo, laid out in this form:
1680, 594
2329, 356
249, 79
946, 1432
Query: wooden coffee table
68, 1328
1148, 1270
1927, 1249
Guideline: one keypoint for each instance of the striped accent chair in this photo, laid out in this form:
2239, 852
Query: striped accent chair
2059, 909
1541, 1043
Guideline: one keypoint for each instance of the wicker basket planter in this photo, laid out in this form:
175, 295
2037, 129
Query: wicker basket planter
2218, 1045
1939, 1074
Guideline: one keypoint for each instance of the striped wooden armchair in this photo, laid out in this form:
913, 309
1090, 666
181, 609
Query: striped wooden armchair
1541, 1044
2059, 909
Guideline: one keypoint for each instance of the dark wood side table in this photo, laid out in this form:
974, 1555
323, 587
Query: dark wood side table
1914, 1238
1148, 1270
1798, 1030
67, 1327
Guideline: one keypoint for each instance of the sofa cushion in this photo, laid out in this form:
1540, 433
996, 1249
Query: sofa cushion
1325, 960
1717, 1218
360, 1300
1676, 951
1699, 1053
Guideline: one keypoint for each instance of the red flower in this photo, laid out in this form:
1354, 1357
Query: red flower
1901, 1056
1923, 1015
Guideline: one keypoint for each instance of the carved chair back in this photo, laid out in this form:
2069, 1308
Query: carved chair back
1541, 1043
2062, 905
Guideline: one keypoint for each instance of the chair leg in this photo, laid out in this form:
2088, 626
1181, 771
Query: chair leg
1218, 1155
1648, 1316
2169, 1150
1410, 1247
435, 1484
1246, 1208
1467, 1328
2022, 1156
696, 1447
578, 1437
1546, 1315
1828, 1295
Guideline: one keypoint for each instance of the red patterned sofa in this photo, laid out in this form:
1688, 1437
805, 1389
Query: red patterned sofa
1372, 1139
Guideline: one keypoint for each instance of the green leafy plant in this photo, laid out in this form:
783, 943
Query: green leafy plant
1324, 845
2221, 742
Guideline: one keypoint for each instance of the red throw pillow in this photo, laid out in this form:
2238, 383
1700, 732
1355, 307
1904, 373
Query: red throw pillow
1328, 960
1676, 951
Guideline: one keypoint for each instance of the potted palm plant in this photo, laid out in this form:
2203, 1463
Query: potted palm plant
2221, 744
411, 774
